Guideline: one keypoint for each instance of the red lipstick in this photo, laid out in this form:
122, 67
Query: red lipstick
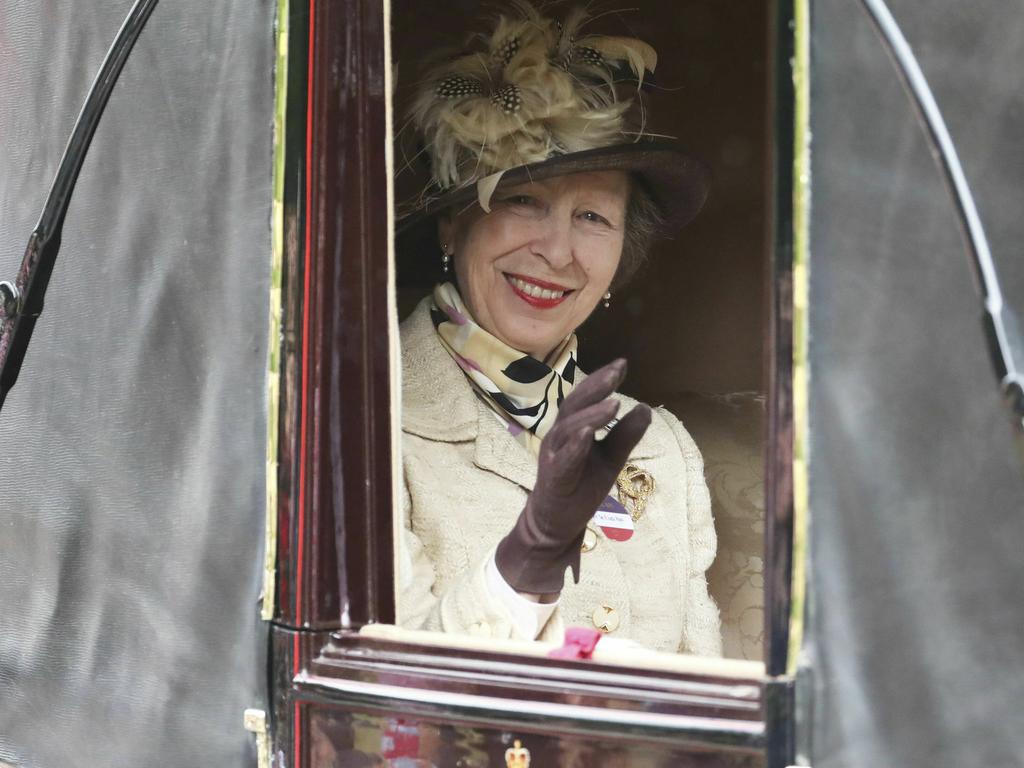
537, 301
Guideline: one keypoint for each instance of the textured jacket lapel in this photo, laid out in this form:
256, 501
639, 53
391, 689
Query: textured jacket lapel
498, 452
437, 400
438, 403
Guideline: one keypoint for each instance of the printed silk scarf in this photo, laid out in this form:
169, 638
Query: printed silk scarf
522, 390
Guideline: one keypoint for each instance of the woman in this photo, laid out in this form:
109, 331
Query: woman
545, 195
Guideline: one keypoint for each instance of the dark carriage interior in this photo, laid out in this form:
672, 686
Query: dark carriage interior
693, 324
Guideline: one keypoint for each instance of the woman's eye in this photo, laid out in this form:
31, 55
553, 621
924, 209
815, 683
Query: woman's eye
596, 218
520, 200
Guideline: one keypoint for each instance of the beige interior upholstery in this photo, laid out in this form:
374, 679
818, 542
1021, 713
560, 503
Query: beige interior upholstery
729, 430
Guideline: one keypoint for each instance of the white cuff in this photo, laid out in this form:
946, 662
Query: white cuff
528, 617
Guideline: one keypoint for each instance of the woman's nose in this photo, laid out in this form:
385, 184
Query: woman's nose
554, 242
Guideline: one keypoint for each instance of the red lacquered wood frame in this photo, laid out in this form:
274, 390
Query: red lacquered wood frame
335, 464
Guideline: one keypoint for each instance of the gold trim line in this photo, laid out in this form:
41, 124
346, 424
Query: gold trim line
801, 372
274, 315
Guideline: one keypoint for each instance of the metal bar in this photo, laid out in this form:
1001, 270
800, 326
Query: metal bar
778, 543
800, 374
1001, 325
21, 302
565, 718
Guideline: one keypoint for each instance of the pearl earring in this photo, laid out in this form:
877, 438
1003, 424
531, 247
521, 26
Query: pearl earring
607, 299
445, 258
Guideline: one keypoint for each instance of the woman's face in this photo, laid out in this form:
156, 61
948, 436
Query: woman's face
535, 267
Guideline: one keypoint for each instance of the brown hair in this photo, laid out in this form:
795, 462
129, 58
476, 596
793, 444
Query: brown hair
645, 222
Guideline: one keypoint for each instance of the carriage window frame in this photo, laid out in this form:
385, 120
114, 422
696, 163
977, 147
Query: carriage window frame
332, 459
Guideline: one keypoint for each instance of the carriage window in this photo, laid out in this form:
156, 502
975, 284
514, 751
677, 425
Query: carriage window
500, 312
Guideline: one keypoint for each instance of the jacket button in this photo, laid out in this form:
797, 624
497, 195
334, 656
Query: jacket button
606, 618
589, 540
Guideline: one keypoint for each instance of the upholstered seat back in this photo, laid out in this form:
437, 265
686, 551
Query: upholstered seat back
729, 430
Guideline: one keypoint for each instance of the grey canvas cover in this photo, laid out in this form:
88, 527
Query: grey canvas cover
917, 494
132, 458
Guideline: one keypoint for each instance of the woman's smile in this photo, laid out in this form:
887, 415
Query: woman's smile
537, 293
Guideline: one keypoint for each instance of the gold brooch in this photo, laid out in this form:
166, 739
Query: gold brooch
635, 488
517, 756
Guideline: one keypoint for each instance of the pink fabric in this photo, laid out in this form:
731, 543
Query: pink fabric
465, 363
456, 317
579, 643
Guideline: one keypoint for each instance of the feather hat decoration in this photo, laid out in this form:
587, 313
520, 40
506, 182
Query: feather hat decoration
531, 89
536, 97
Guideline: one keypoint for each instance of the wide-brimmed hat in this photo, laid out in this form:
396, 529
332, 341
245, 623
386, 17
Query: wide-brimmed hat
535, 98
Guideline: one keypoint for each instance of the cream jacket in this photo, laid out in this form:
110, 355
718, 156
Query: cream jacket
465, 481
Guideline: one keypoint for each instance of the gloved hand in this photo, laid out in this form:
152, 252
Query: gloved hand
574, 474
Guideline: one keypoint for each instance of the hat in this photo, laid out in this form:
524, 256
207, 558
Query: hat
536, 98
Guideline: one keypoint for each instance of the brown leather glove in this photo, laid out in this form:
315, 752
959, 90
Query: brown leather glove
574, 474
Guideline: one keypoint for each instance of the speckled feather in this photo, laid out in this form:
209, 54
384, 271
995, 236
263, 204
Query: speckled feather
531, 88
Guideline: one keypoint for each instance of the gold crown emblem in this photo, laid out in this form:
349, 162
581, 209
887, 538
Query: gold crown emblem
517, 756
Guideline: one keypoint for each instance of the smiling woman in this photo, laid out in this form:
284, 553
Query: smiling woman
535, 267
545, 189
